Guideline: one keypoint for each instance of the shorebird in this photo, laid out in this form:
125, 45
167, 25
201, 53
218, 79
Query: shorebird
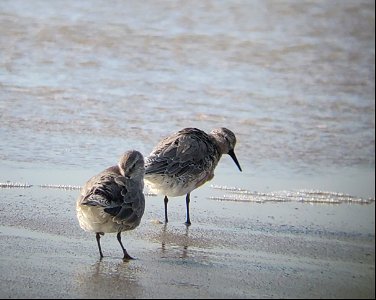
186, 160
113, 200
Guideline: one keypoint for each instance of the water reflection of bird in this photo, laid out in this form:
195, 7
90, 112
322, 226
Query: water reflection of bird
108, 279
181, 240
113, 200
186, 160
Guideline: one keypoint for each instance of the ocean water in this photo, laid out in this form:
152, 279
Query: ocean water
83, 81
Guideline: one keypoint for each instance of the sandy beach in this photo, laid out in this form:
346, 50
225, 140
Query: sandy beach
232, 250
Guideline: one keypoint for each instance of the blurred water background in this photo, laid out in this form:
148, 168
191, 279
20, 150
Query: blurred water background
83, 81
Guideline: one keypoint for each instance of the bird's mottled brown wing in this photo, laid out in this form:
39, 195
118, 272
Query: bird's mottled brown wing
116, 195
186, 150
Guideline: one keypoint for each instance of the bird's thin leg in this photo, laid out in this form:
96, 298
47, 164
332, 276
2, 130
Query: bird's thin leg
187, 200
98, 236
165, 209
126, 255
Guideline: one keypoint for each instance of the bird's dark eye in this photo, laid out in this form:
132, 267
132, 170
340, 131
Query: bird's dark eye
132, 167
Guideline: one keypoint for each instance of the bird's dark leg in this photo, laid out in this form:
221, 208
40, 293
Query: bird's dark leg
187, 200
165, 209
98, 236
126, 255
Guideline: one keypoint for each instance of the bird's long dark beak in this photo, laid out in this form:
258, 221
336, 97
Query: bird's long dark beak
233, 156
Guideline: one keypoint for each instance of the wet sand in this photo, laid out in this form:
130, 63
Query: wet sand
232, 250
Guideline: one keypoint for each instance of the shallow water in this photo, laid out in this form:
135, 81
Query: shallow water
83, 81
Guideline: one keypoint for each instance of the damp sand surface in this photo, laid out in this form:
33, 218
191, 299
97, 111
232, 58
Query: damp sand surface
232, 250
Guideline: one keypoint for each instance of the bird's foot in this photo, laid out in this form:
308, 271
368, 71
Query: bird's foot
127, 257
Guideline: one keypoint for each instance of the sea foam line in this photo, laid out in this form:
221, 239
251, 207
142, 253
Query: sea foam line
304, 196
9, 184
60, 186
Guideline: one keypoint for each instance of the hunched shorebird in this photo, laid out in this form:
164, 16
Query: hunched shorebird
113, 200
186, 160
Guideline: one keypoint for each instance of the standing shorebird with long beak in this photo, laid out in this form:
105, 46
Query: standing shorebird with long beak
186, 160
113, 200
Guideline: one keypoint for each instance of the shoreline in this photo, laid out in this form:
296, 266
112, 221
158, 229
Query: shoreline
271, 250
